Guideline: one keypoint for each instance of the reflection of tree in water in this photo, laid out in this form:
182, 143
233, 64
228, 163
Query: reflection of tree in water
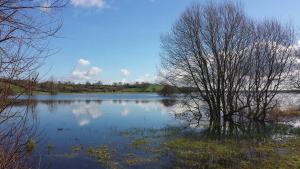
238, 127
244, 130
169, 102
17, 135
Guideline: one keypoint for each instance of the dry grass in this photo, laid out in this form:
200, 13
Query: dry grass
285, 113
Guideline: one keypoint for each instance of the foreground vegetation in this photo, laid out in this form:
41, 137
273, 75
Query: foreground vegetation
276, 146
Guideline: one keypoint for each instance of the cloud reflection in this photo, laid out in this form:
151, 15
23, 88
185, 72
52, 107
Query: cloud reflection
125, 111
84, 112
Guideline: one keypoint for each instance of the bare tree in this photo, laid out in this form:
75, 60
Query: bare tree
294, 81
232, 63
15, 135
26, 26
271, 56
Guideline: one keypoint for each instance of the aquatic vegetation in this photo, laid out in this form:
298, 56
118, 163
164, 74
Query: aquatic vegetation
77, 148
103, 156
50, 146
90, 151
30, 145
289, 112
242, 147
132, 159
139, 142
191, 153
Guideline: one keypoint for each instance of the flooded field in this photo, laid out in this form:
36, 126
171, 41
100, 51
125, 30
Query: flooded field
142, 131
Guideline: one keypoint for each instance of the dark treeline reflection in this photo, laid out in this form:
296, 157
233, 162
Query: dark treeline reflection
53, 103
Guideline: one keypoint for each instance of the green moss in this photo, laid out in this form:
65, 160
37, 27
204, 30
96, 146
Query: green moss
30, 145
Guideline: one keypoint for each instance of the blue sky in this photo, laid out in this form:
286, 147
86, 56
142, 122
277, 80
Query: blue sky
119, 40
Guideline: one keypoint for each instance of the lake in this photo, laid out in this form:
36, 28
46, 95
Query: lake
76, 131
67, 121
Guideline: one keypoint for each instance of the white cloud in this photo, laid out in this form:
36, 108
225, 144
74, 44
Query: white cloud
94, 71
147, 78
297, 45
125, 72
81, 73
89, 3
83, 62
86, 74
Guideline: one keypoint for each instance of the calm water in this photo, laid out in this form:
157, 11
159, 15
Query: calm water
67, 125
69, 120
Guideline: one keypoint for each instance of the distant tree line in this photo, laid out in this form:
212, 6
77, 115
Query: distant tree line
53, 87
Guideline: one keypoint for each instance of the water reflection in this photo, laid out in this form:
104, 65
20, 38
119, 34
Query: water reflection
252, 131
125, 111
84, 112
79, 123
18, 136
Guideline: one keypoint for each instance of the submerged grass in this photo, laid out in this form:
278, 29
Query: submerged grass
191, 153
133, 159
50, 146
77, 148
287, 113
30, 145
139, 142
173, 148
179, 149
103, 156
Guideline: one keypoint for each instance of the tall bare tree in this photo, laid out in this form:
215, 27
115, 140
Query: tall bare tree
26, 26
233, 64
